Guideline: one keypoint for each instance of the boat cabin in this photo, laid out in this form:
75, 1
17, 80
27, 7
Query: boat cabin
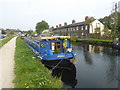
54, 45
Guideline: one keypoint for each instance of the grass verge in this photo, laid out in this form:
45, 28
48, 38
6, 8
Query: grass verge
29, 72
101, 40
74, 39
4, 41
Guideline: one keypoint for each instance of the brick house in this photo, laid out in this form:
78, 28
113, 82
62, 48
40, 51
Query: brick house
80, 29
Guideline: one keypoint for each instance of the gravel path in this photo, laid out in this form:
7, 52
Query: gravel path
7, 64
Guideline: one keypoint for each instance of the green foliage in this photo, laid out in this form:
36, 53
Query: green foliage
97, 30
34, 34
4, 41
29, 71
3, 32
12, 33
93, 39
29, 32
74, 39
95, 35
106, 21
57, 51
112, 22
89, 20
52, 27
106, 32
40, 26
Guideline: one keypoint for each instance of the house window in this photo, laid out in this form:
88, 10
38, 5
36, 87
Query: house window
82, 34
86, 27
77, 28
81, 27
69, 29
73, 29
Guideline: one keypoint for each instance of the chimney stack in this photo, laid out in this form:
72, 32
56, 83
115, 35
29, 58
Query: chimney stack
56, 26
60, 25
73, 21
87, 17
65, 23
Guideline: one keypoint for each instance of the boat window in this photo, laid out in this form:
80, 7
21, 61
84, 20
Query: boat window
56, 47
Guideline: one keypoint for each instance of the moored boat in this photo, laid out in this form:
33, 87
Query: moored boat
51, 48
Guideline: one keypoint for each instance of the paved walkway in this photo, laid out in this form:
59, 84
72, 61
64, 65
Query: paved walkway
7, 64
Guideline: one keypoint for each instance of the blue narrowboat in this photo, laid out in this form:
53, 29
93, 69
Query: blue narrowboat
51, 48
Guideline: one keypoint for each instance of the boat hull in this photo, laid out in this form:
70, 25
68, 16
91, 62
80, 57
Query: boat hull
58, 56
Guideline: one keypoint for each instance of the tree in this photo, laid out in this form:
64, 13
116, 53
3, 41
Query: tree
29, 32
34, 33
89, 20
12, 33
106, 32
3, 32
112, 22
106, 21
40, 26
97, 30
52, 27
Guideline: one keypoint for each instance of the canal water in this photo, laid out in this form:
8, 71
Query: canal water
95, 67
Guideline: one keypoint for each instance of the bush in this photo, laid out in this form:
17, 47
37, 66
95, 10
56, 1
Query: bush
74, 39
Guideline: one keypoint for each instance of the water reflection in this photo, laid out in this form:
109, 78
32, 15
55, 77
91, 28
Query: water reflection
97, 66
66, 70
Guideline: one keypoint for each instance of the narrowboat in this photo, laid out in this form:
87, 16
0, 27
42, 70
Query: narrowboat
51, 48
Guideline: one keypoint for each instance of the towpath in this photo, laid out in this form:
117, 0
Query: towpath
7, 64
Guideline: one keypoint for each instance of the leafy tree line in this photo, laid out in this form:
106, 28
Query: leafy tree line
4, 32
112, 22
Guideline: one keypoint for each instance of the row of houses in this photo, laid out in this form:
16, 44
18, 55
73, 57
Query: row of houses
80, 29
11, 31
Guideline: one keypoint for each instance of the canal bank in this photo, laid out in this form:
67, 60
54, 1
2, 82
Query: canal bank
5, 40
110, 43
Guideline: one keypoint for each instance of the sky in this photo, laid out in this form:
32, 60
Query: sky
24, 14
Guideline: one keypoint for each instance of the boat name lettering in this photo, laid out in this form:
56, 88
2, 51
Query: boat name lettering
61, 56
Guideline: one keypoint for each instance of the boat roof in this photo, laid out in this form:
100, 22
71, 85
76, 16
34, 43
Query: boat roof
55, 37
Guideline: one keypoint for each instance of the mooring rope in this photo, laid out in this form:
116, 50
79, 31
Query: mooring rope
60, 62
56, 65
